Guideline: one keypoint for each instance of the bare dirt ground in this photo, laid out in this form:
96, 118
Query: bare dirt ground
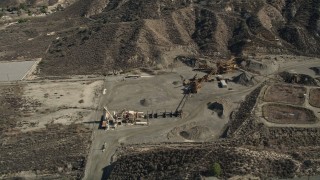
61, 102
43, 128
286, 94
314, 99
285, 114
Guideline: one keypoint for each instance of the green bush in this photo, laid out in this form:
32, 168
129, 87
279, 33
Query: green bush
29, 13
22, 20
43, 9
60, 8
216, 169
23, 6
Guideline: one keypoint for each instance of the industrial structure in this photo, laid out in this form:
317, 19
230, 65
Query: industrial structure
115, 119
111, 120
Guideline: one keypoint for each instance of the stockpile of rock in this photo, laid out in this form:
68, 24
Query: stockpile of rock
298, 78
244, 79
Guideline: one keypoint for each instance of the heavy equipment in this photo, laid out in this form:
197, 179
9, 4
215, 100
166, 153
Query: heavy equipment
226, 66
196, 83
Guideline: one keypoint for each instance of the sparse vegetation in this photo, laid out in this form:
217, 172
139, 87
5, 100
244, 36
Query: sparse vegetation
59, 7
216, 169
23, 6
44, 9
29, 13
22, 20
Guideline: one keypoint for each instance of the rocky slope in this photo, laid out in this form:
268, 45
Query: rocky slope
6, 3
129, 33
121, 34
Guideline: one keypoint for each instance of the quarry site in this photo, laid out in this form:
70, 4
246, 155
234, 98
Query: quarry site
159, 89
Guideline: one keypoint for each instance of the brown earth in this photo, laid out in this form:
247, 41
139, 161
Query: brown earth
285, 114
285, 94
314, 98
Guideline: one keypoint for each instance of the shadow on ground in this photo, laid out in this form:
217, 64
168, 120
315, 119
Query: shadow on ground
107, 171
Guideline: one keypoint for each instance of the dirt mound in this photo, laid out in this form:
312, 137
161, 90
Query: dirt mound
298, 78
316, 70
244, 79
190, 131
257, 67
193, 133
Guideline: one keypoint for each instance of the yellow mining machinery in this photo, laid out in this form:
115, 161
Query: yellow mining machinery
226, 66
195, 83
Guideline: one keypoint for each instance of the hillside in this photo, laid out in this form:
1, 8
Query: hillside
12, 3
119, 34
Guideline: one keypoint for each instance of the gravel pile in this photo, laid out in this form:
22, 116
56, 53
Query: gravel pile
244, 79
298, 79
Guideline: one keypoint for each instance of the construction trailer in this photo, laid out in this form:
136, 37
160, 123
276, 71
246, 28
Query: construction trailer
133, 76
223, 84
141, 123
